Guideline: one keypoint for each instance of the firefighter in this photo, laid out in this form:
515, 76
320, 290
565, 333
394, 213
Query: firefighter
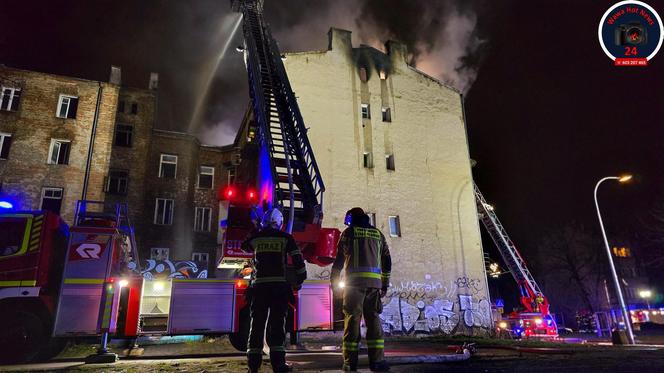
363, 252
270, 291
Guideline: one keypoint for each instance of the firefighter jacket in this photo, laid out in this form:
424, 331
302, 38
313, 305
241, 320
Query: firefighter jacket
271, 248
363, 252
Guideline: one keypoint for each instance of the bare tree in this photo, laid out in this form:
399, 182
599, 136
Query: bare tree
571, 269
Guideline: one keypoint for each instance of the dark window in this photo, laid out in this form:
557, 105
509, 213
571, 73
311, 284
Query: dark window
59, 152
51, 199
387, 114
368, 160
9, 98
366, 113
121, 106
11, 235
117, 182
206, 177
168, 166
159, 253
5, 144
163, 211
134, 108
202, 220
123, 134
231, 175
395, 226
67, 107
389, 162
200, 257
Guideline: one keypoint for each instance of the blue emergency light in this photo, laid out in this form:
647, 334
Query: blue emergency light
6, 205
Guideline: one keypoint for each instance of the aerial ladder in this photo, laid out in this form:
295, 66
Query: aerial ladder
536, 319
288, 176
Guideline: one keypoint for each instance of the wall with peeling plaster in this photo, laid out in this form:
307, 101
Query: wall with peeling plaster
438, 280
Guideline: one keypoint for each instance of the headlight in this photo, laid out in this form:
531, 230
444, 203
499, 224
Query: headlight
502, 325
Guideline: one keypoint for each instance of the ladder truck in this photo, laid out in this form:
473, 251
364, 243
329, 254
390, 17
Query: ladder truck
59, 282
535, 321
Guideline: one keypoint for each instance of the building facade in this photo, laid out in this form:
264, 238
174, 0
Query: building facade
392, 140
50, 125
56, 133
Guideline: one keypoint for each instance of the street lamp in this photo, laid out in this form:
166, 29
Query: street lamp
646, 294
616, 283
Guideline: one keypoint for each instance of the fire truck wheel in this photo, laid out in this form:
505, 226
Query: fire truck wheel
22, 337
239, 340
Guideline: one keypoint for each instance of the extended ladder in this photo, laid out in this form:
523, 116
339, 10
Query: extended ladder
281, 130
513, 260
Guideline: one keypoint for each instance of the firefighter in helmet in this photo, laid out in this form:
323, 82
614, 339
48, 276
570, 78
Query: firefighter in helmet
363, 252
270, 291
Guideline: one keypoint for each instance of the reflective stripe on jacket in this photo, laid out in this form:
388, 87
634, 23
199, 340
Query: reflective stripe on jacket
271, 248
364, 254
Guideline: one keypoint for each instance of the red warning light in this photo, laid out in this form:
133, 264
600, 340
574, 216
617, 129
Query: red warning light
251, 195
229, 192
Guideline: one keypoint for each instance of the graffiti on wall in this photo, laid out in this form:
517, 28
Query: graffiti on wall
186, 269
432, 307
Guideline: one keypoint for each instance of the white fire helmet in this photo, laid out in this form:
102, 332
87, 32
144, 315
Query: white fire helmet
273, 218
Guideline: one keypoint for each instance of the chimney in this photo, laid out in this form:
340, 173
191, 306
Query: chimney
397, 51
339, 39
116, 75
154, 81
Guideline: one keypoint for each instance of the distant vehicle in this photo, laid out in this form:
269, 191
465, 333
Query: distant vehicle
536, 321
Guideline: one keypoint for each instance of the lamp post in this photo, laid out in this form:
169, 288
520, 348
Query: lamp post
646, 294
616, 283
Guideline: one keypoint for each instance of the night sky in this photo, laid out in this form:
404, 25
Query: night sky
547, 112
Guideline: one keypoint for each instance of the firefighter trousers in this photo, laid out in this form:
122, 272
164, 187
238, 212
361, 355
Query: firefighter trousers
269, 305
358, 302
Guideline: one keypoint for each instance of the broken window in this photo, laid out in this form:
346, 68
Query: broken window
202, 220
10, 98
134, 108
387, 114
67, 107
389, 162
206, 177
168, 166
163, 211
395, 226
363, 74
117, 182
51, 199
5, 144
366, 113
368, 160
123, 134
59, 152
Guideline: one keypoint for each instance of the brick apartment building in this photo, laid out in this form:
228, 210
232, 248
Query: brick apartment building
50, 125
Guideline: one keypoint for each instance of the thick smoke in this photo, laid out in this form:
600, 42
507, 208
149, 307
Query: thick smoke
181, 40
440, 35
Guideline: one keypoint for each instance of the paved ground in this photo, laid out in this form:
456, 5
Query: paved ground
495, 356
585, 359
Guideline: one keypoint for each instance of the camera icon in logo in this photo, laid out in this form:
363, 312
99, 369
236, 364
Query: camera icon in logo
631, 34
